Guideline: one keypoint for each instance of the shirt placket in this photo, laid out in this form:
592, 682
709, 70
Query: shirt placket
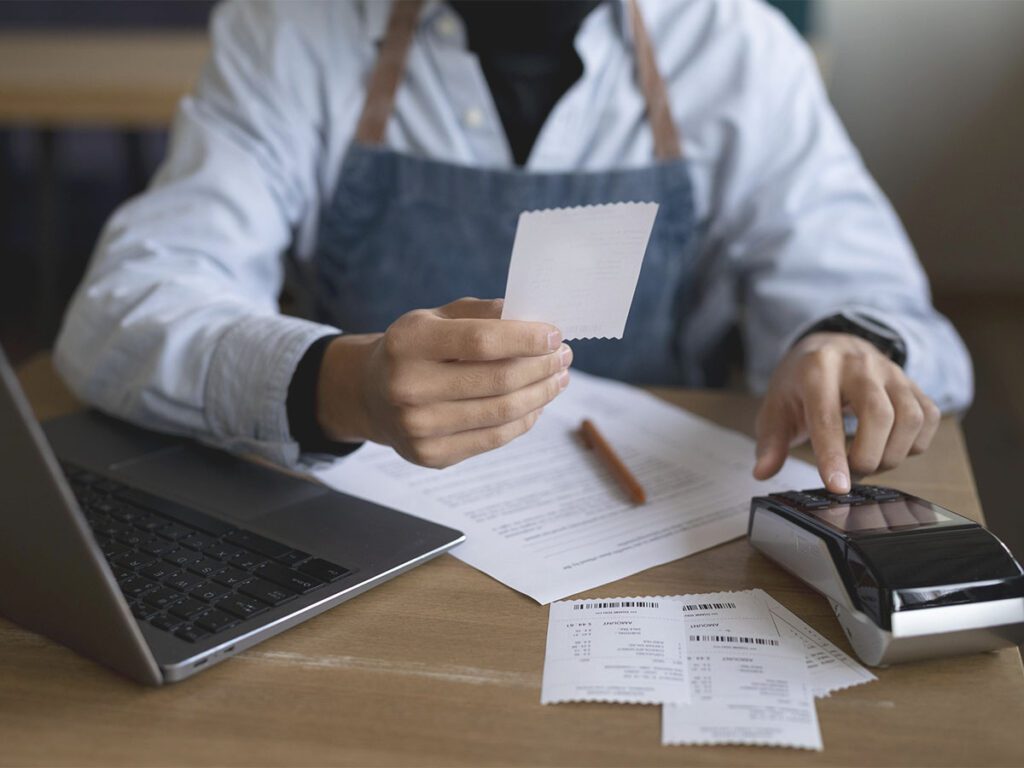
467, 90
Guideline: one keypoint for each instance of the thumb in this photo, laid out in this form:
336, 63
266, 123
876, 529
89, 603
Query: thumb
774, 434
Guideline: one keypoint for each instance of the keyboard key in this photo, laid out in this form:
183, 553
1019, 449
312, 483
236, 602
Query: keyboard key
188, 608
136, 586
222, 551
848, 498
190, 632
248, 561
173, 531
183, 558
816, 504
214, 620
209, 592
163, 598
293, 557
112, 549
324, 570
166, 623
159, 571
120, 512
241, 607
120, 574
143, 612
286, 577
197, 541
133, 560
184, 582
266, 591
154, 545
257, 543
206, 567
130, 537
148, 523
188, 517
230, 576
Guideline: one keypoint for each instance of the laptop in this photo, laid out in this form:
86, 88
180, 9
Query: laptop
160, 557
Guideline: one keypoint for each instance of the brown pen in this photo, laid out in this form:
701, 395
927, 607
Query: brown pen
625, 478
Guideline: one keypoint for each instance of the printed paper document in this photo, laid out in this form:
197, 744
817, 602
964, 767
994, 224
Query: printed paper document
577, 267
830, 669
544, 516
749, 681
627, 650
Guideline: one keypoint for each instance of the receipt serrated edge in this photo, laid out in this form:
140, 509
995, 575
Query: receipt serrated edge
617, 204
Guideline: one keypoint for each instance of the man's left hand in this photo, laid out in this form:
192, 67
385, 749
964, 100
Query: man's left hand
824, 375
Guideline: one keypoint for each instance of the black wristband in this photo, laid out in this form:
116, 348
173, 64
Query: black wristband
888, 342
301, 403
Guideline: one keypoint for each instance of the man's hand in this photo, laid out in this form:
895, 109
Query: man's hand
825, 374
441, 385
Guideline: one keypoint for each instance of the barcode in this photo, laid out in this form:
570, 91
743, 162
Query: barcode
708, 606
620, 604
733, 639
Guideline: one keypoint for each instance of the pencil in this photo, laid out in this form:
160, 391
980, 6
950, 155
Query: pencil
600, 446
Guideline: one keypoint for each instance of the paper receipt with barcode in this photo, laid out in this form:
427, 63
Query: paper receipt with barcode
626, 650
750, 681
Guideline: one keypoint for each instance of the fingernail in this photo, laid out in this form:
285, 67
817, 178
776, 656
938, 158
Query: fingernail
563, 380
839, 481
554, 340
565, 356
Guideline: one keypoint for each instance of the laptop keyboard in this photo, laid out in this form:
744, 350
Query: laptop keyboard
185, 572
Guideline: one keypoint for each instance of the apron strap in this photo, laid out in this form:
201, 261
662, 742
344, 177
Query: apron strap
667, 145
380, 96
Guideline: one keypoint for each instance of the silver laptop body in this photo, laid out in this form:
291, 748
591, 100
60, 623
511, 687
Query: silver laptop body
55, 580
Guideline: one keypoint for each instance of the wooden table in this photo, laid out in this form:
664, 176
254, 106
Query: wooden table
442, 666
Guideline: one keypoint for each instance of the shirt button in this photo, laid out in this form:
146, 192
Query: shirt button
473, 117
447, 26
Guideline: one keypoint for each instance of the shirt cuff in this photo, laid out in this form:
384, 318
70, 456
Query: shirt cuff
247, 384
302, 400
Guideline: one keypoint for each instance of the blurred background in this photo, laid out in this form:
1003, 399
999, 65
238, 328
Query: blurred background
931, 92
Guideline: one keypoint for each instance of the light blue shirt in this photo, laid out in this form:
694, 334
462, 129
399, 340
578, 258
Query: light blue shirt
176, 325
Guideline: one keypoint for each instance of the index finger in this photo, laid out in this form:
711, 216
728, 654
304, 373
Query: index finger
472, 339
823, 414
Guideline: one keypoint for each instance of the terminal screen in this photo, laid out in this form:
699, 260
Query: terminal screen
902, 515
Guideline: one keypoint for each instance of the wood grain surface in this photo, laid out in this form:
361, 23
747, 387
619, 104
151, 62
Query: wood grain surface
442, 666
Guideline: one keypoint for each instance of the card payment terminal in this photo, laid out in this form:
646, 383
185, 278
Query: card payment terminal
907, 579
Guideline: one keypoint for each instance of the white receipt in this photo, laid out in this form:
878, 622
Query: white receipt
630, 650
577, 268
750, 682
830, 669
544, 516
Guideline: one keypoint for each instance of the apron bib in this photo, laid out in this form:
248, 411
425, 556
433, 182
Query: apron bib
404, 233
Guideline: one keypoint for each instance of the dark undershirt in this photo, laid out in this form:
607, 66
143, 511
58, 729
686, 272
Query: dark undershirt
527, 54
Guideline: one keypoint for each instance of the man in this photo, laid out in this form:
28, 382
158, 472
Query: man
389, 147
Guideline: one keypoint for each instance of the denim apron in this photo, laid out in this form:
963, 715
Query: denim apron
405, 232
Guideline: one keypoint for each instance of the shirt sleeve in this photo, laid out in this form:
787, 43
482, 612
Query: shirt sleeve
809, 234
176, 325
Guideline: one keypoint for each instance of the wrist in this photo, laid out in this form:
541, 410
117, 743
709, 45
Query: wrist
883, 338
341, 402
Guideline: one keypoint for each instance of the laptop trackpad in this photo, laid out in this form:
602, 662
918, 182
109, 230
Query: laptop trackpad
215, 482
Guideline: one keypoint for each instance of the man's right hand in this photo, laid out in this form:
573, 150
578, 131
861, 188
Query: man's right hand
441, 385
